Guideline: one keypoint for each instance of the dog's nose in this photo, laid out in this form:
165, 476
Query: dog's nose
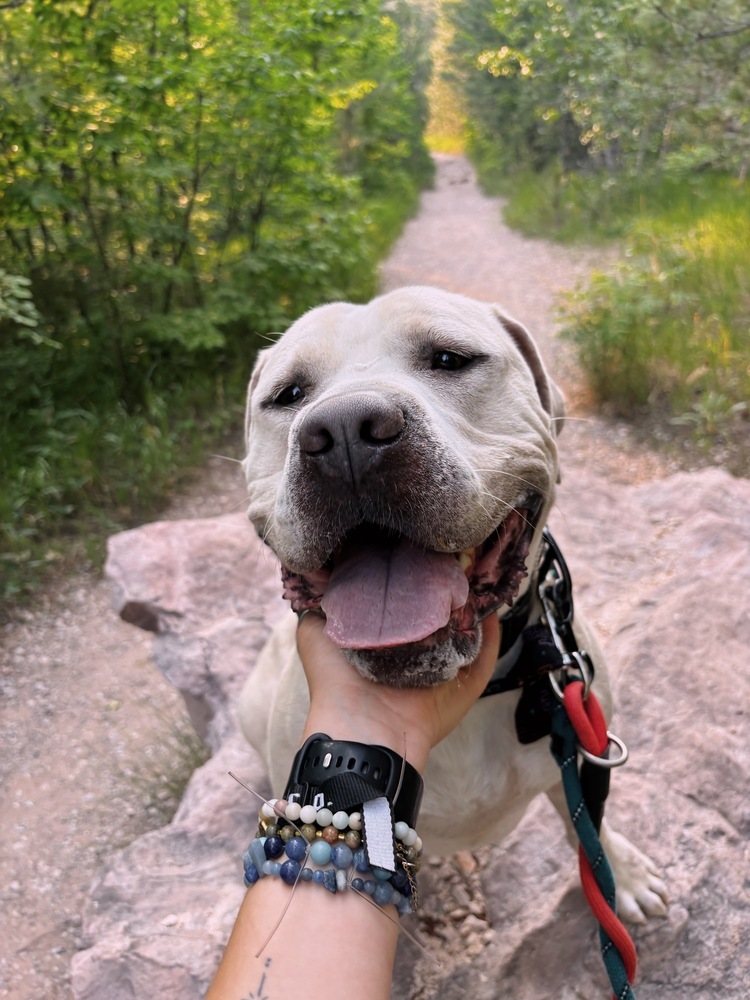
346, 437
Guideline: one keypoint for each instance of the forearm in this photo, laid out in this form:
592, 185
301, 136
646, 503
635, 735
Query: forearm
340, 947
342, 944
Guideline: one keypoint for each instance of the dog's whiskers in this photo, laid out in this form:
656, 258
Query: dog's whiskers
517, 478
508, 508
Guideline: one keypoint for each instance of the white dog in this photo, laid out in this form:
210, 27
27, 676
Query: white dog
401, 463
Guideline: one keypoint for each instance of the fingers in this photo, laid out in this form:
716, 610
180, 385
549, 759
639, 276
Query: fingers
477, 676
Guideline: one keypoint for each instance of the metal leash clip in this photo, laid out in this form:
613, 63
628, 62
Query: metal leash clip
556, 595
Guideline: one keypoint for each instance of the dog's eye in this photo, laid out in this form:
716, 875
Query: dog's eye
448, 361
289, 396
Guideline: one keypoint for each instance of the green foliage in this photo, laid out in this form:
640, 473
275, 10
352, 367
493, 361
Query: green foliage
178, 180
668, 334
622, 86
628, 120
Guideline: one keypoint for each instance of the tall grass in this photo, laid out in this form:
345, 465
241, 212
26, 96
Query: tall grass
666, 336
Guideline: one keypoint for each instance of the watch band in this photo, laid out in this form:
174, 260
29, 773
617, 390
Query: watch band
341, 775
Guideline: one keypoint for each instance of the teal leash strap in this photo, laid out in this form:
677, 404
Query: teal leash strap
564, 746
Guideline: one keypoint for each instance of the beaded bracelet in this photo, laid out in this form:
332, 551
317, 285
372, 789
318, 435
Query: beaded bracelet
327, 838
322, 823
350, 869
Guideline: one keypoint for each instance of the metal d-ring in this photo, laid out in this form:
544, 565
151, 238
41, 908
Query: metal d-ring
607, 762
579, 661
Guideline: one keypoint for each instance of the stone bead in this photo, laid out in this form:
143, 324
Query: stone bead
318, 876
400, 879
289, 871
352, 839
340, 820
383, 894
308, 813
307, 874
355, 821
272, 829
418, 845
267, 809
341, 882
258, 854
287, 833
400, 830
296, 848
341, 856
410, 839
381, 874
279, 807
320, 852
251, 874
309, 832
329, 880
271, 867
358, 884
330, 834
324, 817
412, 856
274, 846
293, 809
360, 860
370, 886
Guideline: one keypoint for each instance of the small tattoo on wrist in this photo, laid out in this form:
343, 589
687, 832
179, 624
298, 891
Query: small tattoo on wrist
260, 993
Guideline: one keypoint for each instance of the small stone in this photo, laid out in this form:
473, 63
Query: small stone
466, 862
324, 817
273, 847
289, 871
308, 814
352, 839
341, 856
296, 848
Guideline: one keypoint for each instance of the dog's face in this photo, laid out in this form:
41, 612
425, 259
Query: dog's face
400, 463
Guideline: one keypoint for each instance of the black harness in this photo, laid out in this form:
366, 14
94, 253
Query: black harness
534, 651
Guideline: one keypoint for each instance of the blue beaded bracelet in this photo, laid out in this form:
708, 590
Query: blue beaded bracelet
350, 869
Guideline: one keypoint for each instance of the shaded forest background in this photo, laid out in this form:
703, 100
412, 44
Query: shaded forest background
179, 179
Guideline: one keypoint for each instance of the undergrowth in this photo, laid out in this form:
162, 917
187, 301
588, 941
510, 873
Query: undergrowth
663, 336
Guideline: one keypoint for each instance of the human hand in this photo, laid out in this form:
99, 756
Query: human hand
410, 721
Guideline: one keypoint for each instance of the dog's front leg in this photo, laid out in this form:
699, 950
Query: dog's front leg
641, 892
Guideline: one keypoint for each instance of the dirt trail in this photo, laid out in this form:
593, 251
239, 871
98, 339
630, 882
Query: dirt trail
83, 715
81, 705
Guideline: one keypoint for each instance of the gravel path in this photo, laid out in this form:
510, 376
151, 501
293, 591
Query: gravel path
83, 769
85, 764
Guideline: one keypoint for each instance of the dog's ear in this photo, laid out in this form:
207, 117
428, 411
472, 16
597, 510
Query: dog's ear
549, 394
254, 377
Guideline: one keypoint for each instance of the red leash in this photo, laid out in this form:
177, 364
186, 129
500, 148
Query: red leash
590, 726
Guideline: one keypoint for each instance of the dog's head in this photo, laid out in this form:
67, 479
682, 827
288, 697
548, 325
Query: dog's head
400, 463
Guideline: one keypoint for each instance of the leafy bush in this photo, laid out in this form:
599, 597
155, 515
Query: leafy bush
668, 333
177, 182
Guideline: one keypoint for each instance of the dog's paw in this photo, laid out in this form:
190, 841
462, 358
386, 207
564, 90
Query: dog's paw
641, 893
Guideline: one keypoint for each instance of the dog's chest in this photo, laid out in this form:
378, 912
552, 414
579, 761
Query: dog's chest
480, 779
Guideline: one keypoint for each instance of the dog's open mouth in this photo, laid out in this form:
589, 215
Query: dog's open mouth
380, 590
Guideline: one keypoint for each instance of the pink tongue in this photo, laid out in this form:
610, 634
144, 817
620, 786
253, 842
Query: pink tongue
387, 597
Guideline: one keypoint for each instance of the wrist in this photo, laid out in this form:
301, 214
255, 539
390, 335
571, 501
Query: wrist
410, 745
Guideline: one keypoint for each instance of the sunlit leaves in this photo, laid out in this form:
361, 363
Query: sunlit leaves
639, 81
